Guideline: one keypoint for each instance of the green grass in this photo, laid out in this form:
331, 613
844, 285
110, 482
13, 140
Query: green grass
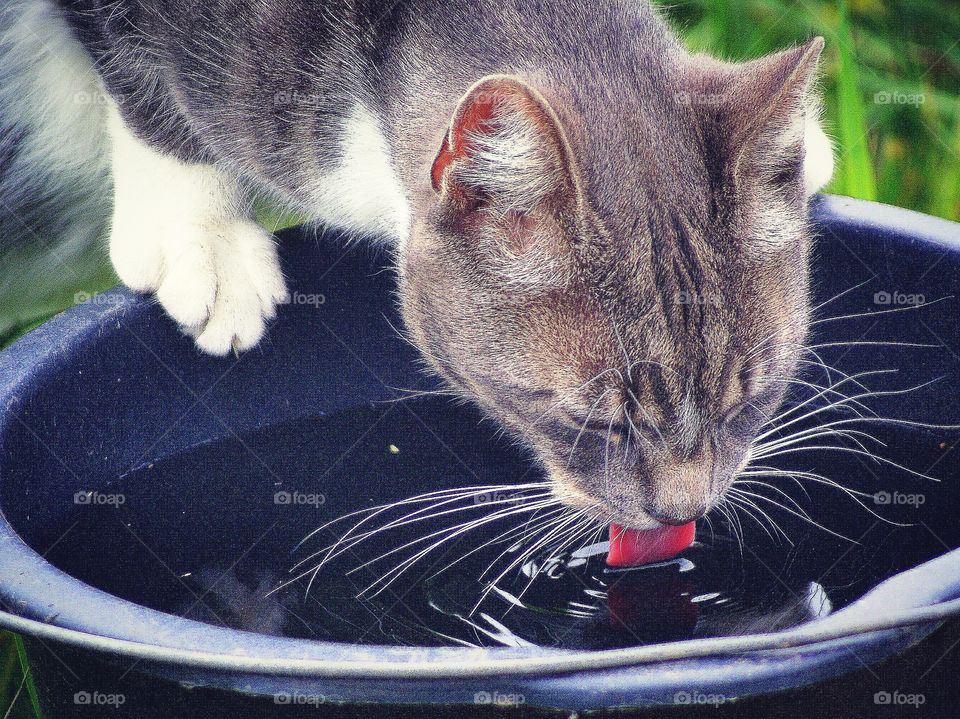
904, 151
18, 693
891, 85
856, 176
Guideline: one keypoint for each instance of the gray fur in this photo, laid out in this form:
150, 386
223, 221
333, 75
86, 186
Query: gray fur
673, 220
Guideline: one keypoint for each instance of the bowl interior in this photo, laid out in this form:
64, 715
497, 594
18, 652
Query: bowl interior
184, 483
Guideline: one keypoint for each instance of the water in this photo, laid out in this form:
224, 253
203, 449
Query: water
211, 534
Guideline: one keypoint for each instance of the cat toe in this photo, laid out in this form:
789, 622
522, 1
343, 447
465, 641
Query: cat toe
249, 287
188, 290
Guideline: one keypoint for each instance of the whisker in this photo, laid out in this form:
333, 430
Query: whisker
813, 433
534, 531
606, 459
848, 399
819, 362
663, 442
769, 485
425, 497
583, 386
840, 403
820, 390
884, 421
749, 507
524, 556
583, 427
410, 394
729, 512
445, 535
448, 497
415, 517
876, 313
805, 517
851, 450
623, 348
819, 479
796, 475
841, 294
875, 343
519, 531
569, 538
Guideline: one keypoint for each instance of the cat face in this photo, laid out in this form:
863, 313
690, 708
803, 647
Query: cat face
635, 329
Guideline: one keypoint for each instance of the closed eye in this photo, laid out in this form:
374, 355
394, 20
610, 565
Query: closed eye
592, 425
743, 421
618, 429
746, 417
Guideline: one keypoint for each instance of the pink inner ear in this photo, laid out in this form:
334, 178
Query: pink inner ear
473, 116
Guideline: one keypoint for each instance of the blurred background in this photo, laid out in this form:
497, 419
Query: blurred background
891, 81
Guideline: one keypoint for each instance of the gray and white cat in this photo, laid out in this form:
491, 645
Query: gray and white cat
601, 238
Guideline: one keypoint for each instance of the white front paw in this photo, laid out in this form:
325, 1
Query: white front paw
220, 280
247, 287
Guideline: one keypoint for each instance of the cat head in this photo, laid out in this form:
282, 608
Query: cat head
623, 283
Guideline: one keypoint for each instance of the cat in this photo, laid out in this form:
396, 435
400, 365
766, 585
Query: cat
601, 238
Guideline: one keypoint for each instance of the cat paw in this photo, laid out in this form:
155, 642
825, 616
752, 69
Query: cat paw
182, 231
240, 290
219, 280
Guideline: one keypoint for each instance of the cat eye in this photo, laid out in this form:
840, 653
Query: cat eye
518, 392
764, 397
515, 395
594, 426
602, 428
744, 419
572, 425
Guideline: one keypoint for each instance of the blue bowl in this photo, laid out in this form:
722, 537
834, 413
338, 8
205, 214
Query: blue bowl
111, 384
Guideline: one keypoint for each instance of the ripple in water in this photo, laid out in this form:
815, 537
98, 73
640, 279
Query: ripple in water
203, 534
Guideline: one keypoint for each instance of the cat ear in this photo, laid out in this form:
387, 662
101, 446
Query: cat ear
505, 147
775, 113
771, 116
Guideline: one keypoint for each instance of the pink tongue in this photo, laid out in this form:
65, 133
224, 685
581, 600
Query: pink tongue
633, 547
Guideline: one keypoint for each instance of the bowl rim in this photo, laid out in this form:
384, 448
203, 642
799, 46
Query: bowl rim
29, 581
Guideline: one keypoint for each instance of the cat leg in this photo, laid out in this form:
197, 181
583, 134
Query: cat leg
185, 232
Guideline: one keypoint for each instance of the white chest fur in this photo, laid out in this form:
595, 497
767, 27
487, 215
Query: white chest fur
363, 194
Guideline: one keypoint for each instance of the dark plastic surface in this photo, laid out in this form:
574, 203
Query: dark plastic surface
111, 385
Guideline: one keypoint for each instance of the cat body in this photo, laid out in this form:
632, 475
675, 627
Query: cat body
601, 238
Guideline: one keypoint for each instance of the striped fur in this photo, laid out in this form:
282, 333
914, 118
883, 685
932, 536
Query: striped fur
614, 266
